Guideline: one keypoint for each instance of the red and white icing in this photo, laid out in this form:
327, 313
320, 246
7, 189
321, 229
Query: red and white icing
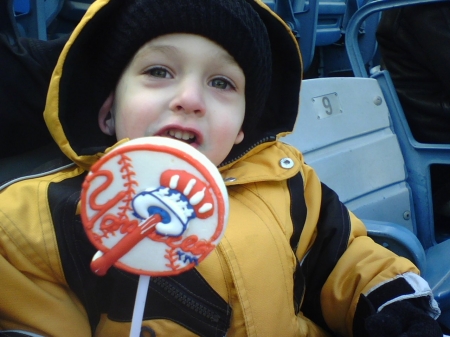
153, 206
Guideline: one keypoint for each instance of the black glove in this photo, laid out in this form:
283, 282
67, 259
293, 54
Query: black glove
402, 319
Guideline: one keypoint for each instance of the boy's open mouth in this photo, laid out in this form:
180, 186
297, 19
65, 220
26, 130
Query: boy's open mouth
183, 135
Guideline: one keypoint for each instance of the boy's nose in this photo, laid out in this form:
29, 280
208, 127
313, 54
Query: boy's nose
189, 99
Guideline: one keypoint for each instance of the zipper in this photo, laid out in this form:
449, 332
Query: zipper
261, 141
37, 175
187, 301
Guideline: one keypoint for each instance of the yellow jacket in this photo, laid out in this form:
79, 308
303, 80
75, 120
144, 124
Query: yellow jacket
252, 269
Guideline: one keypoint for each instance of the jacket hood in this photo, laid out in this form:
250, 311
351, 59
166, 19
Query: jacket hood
74, 98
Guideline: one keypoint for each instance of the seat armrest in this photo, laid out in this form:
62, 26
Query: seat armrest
399, 240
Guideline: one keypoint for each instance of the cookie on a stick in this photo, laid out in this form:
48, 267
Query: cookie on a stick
153, 206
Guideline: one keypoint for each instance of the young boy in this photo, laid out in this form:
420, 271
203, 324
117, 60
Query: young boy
223, 76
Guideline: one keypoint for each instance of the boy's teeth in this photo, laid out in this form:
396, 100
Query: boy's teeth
184, 135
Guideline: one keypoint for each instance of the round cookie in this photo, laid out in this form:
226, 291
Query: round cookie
153, 206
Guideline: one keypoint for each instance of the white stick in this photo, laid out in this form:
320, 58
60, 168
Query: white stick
139, 305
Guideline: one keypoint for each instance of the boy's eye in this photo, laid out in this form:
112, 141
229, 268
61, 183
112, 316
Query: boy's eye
222, 83
159, 72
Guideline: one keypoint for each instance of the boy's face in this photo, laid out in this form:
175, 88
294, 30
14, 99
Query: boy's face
182, 86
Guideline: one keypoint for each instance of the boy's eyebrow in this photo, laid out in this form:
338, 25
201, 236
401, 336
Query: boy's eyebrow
162, 48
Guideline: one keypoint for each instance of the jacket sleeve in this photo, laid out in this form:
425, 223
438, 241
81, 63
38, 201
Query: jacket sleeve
345, 271
26, 66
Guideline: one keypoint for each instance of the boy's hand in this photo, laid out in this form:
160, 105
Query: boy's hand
402, 319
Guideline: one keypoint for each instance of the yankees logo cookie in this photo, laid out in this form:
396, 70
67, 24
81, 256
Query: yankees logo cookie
153, 206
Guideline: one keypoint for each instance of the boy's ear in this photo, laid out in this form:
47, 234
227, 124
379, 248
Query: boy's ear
239, 137
106, 118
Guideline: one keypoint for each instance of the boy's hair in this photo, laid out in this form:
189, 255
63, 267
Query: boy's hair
233, 24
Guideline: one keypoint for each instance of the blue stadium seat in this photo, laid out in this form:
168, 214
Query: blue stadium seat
399, 240
321, 25
301, 17
22, 7
330, 21
7, 21
334, 59
316, 22
418, 159
418, 156
344, 131
34, 16
345, 134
